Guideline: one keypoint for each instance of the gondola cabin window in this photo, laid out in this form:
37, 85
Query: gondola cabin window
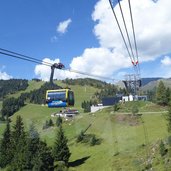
71, 98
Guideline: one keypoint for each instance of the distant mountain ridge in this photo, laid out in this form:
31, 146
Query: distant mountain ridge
145, 81
152, 84
149, 83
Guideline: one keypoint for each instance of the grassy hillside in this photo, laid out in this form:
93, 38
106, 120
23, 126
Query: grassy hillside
143, 106
123, 145
125, 141
81, 93
32, 86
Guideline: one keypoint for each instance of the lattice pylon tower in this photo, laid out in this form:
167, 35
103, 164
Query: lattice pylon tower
132, 83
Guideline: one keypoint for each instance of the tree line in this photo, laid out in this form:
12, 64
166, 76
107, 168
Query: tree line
12, 105
163, 94
24, 150
163, 97
159, 94
38, 96
85, 82
108, 91
11, 86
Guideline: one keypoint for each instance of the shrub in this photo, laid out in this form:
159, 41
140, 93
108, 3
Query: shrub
80, 137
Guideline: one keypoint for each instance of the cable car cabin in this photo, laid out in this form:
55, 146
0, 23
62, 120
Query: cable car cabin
60, 98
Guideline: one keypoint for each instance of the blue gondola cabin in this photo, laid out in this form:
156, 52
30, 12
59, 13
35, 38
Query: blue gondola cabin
60, 98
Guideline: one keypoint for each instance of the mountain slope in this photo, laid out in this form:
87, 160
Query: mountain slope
121, 137
151, 85
122, 145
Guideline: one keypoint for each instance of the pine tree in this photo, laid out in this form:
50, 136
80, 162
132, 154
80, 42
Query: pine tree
46, 125
58, 121
29, 152
162, 148
169, 119
168, 96
19, 145
80, 137
33, 141
33, 134
43, 160
60, 150
18, 132
6, 147
93, 140
50, 122
38, 156
83, 105
161, 94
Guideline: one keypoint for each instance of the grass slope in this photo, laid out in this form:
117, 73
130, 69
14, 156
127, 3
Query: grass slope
32, 85
143, 106
37, 114
81, 93
122, 146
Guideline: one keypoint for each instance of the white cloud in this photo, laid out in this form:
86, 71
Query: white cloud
153, 34
4, 76
99, 61
43, 72
63, 26
166, 61
151, 21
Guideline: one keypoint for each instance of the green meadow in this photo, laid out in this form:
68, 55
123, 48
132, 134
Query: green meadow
125, 142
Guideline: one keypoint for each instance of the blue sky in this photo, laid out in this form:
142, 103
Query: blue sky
82, 34
27, 27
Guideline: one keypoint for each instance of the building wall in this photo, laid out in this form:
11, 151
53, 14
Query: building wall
109, 101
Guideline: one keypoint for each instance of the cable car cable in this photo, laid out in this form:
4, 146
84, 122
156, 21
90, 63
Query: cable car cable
37, 61
91, 75
133, 29
122, 35
28, 57
126, 30
129, 41
15, 56
120, 29
135, 44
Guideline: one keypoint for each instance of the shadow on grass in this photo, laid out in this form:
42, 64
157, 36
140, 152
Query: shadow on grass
78, 162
